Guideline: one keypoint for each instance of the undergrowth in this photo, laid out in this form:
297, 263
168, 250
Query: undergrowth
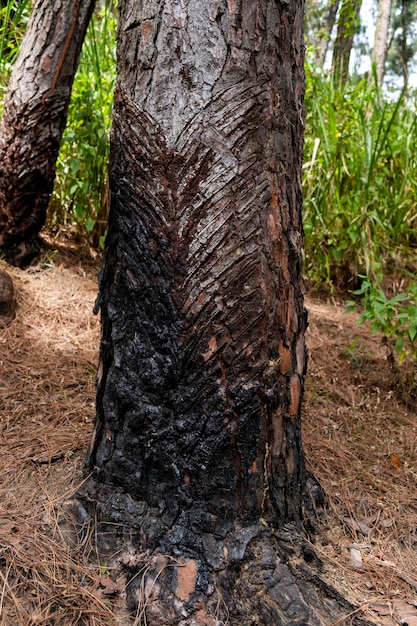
13, 20
395, 319
360, 175
360, 206
80, 191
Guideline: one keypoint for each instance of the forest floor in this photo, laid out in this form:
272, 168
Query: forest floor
360, 441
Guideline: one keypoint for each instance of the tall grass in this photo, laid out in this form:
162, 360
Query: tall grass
80, 190
360, 175
360, 208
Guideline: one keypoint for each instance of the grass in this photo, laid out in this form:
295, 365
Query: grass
360, 175
360, 206
13, 20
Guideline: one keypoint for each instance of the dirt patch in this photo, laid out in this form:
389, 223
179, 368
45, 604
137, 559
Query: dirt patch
360, 442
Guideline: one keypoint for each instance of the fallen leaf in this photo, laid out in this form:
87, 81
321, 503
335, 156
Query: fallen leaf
109, 587
355, 560
364, 547
403, 575
382, 562
396, 462
363, 526
387, 523
408, 579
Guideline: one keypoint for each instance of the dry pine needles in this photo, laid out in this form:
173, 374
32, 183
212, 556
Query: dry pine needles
359, 437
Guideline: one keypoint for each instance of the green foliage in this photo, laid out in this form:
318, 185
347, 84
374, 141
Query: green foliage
14, 16
360, 191
396, 319
81, 183
360, 203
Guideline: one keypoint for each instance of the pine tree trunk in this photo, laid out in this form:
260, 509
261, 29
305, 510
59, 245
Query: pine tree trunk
196, 457
346, 27
380, 49
202, 299
34, 117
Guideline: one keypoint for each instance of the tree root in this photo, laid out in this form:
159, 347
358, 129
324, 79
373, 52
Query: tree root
253, 576
276, 582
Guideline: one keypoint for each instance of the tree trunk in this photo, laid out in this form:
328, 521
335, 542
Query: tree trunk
380, 49
34, 117
403, 43
323, 43
196, 457
346, 27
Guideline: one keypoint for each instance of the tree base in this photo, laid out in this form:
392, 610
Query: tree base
277, 582
22, 253
254, 576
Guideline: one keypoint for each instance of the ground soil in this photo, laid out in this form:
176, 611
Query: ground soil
359, 434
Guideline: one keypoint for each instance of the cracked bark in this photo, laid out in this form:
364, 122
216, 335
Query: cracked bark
196, 457
34, 117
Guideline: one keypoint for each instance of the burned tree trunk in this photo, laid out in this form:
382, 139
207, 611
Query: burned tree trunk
196, 457
34, 117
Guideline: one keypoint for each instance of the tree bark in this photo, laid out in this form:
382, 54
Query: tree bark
380, 49
34, 117
196, 456
346, 27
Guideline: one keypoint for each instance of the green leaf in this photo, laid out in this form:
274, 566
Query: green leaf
399, 344
412, 332
89, 224
74, 165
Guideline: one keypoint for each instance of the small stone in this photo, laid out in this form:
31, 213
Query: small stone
7, 299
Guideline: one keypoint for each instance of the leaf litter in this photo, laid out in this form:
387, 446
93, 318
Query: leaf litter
359, 437
361, 442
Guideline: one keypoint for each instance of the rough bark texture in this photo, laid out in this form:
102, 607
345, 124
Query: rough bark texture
346, 27
380, 49
34, 117
203, 357
196, 454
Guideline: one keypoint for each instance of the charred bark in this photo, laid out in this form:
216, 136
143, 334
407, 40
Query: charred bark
196, 455
203, 351
34, 116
